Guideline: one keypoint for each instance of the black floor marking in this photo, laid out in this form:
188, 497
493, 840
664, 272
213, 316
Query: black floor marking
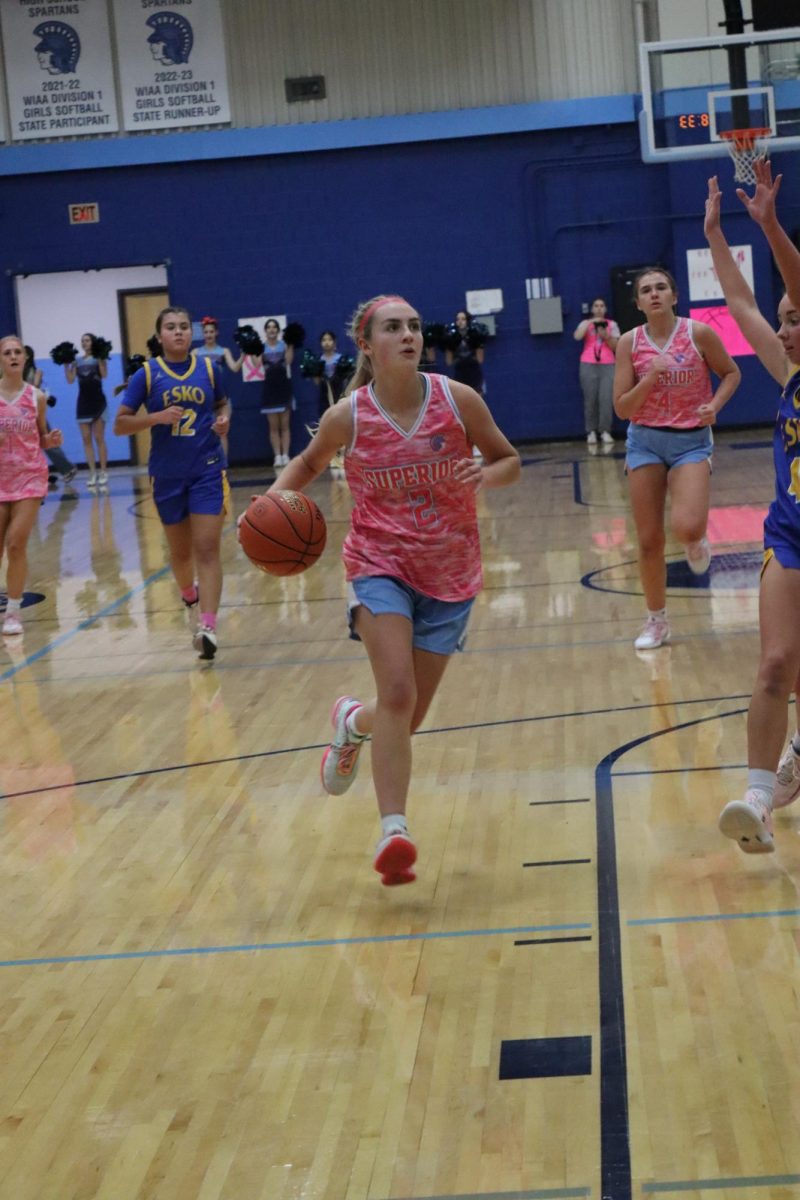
545, 1058
559, 862
542, 803
256, 754
548, 941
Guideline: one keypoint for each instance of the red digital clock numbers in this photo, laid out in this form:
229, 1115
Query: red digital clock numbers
693, 121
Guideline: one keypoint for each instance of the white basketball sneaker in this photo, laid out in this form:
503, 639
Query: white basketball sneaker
340, 761
787, 784
749, 822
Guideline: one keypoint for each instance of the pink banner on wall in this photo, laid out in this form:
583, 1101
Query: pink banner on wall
723, 324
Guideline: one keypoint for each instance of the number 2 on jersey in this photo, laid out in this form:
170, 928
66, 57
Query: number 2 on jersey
423, 507
184, 427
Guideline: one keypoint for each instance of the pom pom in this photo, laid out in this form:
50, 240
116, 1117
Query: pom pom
133, 364
64, 352
311, 365
477, 335
154, 346
452, 338
345, 367
101, 347
433, 335
248, 340
294, 334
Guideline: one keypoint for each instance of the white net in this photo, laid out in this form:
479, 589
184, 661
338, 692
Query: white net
744, 147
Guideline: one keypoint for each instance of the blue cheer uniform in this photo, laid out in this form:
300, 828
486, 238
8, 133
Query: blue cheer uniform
187, 461
782, 525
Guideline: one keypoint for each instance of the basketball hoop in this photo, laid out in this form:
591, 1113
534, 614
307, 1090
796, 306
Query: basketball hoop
745, 146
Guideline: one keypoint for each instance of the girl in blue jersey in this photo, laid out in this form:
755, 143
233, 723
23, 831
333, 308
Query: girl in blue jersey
772, 781
187, 413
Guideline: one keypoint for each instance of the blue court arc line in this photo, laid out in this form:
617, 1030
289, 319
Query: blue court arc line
615, 1158
85, 624
697, 1185
301, 944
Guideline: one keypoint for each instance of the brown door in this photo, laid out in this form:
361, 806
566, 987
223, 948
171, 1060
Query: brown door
138, 310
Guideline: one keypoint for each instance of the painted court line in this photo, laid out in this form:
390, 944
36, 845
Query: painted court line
688, 920
698, 1185
87, 624
309, 944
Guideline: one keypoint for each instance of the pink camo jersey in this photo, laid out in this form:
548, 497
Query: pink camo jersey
595, 350
411, 520
23, 466
682, 388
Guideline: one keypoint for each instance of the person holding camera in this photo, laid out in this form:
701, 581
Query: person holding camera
599, 335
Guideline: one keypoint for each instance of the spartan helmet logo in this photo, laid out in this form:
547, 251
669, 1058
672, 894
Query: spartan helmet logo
171, 40
58, 48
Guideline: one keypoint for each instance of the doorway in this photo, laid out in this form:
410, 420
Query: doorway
138, 309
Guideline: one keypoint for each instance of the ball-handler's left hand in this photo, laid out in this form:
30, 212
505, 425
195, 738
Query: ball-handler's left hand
469, 471
221, 424
706, 414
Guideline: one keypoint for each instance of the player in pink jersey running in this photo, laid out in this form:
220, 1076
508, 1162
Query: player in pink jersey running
23, 470
412, 556
662, 384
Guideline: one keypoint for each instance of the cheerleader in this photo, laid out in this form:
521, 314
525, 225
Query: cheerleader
90, 372
464, 356
277, 399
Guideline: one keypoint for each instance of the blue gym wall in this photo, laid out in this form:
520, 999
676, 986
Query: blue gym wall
311, 234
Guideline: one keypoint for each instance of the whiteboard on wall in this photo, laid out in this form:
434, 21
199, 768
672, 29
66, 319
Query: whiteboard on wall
59, 306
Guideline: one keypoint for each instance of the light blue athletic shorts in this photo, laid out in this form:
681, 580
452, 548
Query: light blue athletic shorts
647, 446
440, 626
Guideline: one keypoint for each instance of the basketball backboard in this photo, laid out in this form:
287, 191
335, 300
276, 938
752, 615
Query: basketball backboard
696, 92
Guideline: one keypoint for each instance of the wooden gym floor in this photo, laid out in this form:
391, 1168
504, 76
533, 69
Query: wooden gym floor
206, 993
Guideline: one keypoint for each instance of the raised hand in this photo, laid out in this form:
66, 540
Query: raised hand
712, 222
761, 205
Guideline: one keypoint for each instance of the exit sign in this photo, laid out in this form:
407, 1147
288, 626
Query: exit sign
84, 214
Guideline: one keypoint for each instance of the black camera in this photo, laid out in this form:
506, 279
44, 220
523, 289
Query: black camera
600, 324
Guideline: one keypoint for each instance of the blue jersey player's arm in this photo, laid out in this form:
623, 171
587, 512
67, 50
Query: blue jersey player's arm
222, 405
129, 421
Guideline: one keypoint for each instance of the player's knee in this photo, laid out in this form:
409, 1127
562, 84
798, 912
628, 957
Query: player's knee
652, 542
399, 697
777, 672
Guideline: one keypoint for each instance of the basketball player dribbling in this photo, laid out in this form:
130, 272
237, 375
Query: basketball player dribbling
772, 781
187, 412
412, 555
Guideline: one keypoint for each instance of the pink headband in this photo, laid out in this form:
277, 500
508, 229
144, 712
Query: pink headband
373, 308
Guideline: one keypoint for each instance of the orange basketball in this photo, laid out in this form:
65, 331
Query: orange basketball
283, 533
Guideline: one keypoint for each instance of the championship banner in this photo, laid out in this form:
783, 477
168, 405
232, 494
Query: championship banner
58, 67
171, 56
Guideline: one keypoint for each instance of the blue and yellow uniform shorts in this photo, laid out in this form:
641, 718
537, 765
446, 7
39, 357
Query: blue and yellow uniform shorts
208, 494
